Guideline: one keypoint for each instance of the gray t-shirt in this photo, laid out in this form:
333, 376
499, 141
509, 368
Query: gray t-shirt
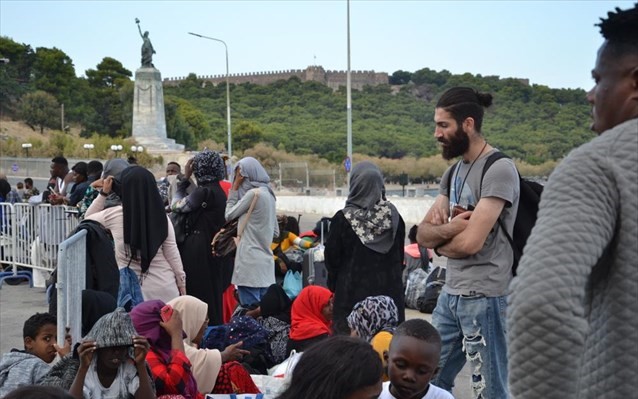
489, 271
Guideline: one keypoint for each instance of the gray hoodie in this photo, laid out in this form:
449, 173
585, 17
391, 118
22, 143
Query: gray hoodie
18, 368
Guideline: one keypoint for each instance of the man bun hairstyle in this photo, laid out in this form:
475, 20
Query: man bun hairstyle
465, 102
620, 29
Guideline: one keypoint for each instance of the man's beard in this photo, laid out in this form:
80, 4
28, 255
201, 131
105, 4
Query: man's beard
456, 146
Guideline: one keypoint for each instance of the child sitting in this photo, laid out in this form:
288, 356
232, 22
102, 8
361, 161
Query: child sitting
113, 361
29, 366
413, 360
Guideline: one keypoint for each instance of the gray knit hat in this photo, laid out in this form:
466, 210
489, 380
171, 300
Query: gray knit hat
113, 329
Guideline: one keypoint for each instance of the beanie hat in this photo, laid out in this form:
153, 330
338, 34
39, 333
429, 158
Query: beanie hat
113, 329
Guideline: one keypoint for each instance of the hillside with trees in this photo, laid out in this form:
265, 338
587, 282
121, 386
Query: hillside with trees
534, 123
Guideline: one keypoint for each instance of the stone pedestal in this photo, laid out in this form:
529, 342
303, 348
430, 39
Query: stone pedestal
149, 122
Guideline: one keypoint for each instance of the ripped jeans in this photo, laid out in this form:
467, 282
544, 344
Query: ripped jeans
473, 329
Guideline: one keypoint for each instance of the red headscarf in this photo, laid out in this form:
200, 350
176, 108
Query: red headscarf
307, 319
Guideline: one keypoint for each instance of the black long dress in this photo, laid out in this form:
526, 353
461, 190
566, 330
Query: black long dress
356, 272
204, 273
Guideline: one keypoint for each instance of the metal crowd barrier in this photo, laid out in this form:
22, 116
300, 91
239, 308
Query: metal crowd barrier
30, 236
71, 281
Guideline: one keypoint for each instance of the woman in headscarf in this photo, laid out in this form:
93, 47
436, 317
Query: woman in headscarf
143, 234
374, 320
205, 207
254, 271
311, 318
364, 250
210, 366
113, 167
170, 368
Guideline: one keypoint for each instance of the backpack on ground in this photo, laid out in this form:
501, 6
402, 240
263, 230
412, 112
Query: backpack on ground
530, 196
433, 287
415, 287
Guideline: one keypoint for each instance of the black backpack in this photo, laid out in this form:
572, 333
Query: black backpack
530, 196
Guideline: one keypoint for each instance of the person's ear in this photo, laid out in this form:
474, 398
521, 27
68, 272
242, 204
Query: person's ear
633, 75
28, 344
468, 125
436, 372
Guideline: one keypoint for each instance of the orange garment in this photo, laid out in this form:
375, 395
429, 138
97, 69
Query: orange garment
307, 319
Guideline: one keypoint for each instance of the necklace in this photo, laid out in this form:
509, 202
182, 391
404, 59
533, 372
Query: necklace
457, 192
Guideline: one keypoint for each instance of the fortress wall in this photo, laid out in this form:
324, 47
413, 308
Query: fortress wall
332, 79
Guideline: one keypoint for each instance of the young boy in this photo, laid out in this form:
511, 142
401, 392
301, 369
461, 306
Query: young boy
413, 360
28, 367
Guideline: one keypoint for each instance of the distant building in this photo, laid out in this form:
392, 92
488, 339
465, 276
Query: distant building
332, 79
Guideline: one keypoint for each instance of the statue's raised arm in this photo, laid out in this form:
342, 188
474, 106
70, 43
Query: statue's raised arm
147, 48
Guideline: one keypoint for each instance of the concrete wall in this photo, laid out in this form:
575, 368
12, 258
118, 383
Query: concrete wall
411, 209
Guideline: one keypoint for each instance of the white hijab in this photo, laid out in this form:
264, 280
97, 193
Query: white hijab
205, 362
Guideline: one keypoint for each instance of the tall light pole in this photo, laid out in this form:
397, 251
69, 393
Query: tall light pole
349, 161
230, 147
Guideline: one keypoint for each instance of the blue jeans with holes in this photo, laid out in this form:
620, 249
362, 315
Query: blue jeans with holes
472, 329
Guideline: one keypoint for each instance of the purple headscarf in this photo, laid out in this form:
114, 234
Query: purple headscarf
146, 319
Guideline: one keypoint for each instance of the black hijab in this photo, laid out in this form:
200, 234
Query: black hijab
95, 304
145, 223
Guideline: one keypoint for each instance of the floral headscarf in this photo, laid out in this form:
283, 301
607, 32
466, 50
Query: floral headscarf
373, 219
208, 166
373, 315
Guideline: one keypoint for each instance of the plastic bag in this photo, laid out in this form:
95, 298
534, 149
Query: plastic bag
292, 284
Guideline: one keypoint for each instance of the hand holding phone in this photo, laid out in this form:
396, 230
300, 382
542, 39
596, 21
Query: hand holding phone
166, 312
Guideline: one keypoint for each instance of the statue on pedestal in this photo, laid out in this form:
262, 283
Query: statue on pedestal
147, 48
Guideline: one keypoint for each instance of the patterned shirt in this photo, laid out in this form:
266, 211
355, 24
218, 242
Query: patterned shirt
174, 377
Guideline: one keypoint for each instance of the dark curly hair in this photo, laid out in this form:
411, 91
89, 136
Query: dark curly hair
620, 30
334, 368
34, 323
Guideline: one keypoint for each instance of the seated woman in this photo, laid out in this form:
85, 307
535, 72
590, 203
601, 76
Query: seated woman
273, 313
212, 369
336, 368
112, 361
374, 319
287, 247
311, 318
170, 368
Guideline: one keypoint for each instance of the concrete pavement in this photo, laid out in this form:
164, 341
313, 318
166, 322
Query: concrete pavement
19, 302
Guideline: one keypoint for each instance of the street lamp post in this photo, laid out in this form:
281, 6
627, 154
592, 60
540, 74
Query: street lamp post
117, 148
88, 148
230, 148
26, 147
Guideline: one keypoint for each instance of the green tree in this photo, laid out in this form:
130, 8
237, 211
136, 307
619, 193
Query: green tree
246, 135
40, 109
109, 73
400, 77
54, 73
15, 72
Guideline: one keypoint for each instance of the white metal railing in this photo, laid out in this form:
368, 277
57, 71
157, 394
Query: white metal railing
30, 236
71, 281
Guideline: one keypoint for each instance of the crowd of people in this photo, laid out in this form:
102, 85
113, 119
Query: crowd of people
185, 322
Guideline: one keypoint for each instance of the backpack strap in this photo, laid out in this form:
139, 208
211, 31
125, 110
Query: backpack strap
449, 179
488, 162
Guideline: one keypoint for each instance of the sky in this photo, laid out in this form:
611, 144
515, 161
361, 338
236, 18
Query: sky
553, 43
